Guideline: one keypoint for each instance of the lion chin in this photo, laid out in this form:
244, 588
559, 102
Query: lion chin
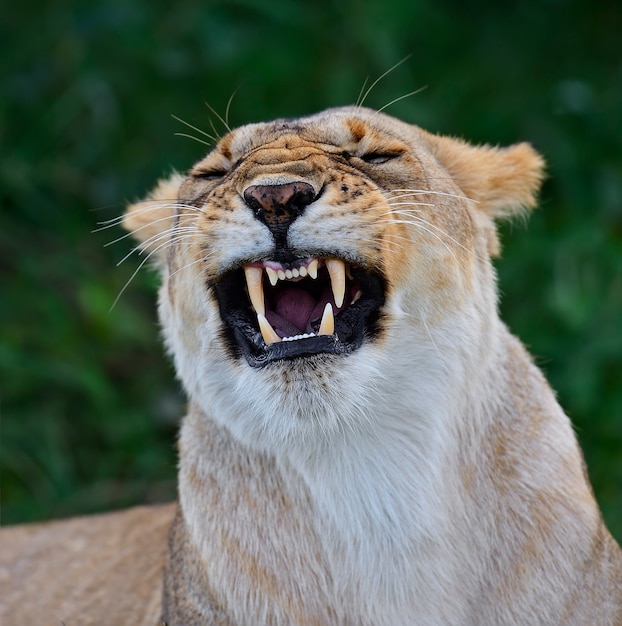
365, 443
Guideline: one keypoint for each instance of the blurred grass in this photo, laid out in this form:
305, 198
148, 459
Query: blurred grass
89, 404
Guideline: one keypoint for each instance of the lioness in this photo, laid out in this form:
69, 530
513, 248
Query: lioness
365, 443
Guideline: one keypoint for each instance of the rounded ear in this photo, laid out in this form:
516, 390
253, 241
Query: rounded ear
502, 181
149, 219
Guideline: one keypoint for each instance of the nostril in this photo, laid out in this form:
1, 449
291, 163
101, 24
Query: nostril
279, 205
254, 202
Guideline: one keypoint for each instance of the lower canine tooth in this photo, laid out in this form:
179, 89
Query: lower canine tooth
337, 271
267, 332
327, 325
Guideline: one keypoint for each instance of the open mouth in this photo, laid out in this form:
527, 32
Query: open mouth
275, 311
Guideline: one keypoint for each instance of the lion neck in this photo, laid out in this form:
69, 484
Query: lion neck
369, 499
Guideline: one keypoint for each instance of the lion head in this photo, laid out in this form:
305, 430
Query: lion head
319, 271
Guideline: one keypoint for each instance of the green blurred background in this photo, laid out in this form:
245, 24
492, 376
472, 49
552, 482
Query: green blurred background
89, 403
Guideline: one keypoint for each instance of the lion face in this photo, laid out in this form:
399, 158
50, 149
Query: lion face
309, 264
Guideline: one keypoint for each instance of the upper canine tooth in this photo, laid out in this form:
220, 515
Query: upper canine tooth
254, 277
327, 325
337, 271
267, 332
273, 277
312, 269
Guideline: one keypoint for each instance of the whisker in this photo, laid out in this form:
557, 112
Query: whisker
227, 110
137, 230
420, 224
406, 95
359, 101
167, 235
427, 328
215, 112
431, 192
392, 238
131, 278
185, 267
211, 123
205, 143
360, 104
392, 204
408, 195
115, 221
154, 238
419, 219
173, 234
211, 137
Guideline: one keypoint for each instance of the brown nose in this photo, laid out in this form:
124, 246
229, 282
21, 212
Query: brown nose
277, 206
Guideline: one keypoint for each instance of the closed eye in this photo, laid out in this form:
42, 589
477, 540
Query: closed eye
378, 158
209, 174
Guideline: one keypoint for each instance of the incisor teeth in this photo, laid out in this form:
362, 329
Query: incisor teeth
254, 277
312, 269
337, 271
273, 277
267, 332
327, 325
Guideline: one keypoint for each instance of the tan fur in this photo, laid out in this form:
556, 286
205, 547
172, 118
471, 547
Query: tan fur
86, 571
427, 477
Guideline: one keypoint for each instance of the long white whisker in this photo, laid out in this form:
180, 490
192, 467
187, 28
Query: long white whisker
360, 104
392, 203
420, 225
215, 112
407, 195
391, 239
431, 192
115, 221
359, 100
185, 267
173, 235
168, 236
211, 137
131, 278
211, 123
205, 143
415, 215
406, 95
137, 230
154, 251
227, 111
425, 324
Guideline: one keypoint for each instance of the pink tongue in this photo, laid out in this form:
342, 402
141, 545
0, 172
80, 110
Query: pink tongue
295, 306
295, 309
